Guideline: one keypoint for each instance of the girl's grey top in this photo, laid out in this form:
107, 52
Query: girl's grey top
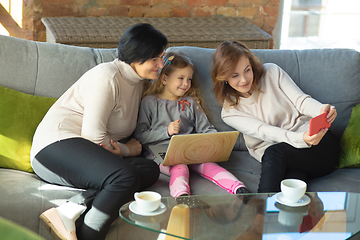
156, 114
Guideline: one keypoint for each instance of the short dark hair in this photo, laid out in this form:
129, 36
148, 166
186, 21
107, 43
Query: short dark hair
141, 42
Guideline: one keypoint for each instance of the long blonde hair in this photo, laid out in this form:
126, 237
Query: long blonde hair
177, 60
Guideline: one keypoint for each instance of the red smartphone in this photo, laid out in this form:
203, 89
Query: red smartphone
317, 123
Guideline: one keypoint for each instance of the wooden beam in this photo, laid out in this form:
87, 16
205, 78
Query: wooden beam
9, 24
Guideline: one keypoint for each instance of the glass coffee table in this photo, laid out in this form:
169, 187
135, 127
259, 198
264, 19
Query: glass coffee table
320, 215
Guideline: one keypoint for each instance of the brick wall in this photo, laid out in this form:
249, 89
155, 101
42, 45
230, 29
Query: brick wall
262, 13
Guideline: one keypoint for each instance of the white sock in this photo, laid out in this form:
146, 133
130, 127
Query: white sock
94, 219
69, 213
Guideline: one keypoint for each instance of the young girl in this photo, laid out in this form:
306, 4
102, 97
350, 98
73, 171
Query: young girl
172, 105
263, 102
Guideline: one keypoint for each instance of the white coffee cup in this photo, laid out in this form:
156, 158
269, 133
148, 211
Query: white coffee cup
293, 189
147, 201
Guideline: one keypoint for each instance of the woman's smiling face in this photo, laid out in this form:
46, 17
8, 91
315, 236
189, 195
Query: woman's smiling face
150, 68
242, 78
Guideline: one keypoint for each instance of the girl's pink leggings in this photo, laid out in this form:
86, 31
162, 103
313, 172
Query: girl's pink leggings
179, 177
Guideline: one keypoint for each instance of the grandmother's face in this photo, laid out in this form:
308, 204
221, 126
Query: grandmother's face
150, 68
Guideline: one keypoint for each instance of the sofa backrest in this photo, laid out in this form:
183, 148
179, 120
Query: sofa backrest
48, 69
45, 69
328, 75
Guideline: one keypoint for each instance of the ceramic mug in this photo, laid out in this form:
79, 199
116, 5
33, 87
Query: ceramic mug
147, 201
293, 189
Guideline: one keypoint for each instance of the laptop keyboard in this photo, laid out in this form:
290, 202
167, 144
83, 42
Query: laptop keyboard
162, 155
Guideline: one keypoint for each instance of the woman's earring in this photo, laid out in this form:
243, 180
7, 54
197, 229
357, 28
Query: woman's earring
226, 82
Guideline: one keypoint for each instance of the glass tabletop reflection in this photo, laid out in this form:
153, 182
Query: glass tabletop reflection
319, 215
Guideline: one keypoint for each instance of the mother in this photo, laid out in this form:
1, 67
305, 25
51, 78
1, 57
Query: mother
263, 102
78, 144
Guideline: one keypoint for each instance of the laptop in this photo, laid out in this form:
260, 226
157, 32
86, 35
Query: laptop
195, 148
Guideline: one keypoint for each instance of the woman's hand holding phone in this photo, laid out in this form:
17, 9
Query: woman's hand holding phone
319, 125
316, 138
331, 113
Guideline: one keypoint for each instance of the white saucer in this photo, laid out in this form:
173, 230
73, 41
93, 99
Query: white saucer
134, 209
305, 200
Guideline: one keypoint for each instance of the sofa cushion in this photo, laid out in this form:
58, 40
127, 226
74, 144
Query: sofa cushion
20, 113
350, 141
11, 231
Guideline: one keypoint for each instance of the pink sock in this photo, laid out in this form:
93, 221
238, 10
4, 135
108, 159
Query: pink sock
179, 180
218, 175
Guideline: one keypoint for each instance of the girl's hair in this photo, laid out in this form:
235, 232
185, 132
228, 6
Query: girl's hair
225, 60
172, 61
141, 42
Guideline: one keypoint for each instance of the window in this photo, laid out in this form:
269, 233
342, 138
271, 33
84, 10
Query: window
320, 24
11, 12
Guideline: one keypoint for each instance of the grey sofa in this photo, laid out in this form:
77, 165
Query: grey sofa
47, 69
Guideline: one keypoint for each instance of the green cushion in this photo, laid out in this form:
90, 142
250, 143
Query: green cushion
350, 141
12, 231
20, 114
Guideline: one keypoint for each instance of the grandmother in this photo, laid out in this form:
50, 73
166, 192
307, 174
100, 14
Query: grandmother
83, 140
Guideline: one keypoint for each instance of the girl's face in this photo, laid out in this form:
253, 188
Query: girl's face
177, 83
150, 68
241, 80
